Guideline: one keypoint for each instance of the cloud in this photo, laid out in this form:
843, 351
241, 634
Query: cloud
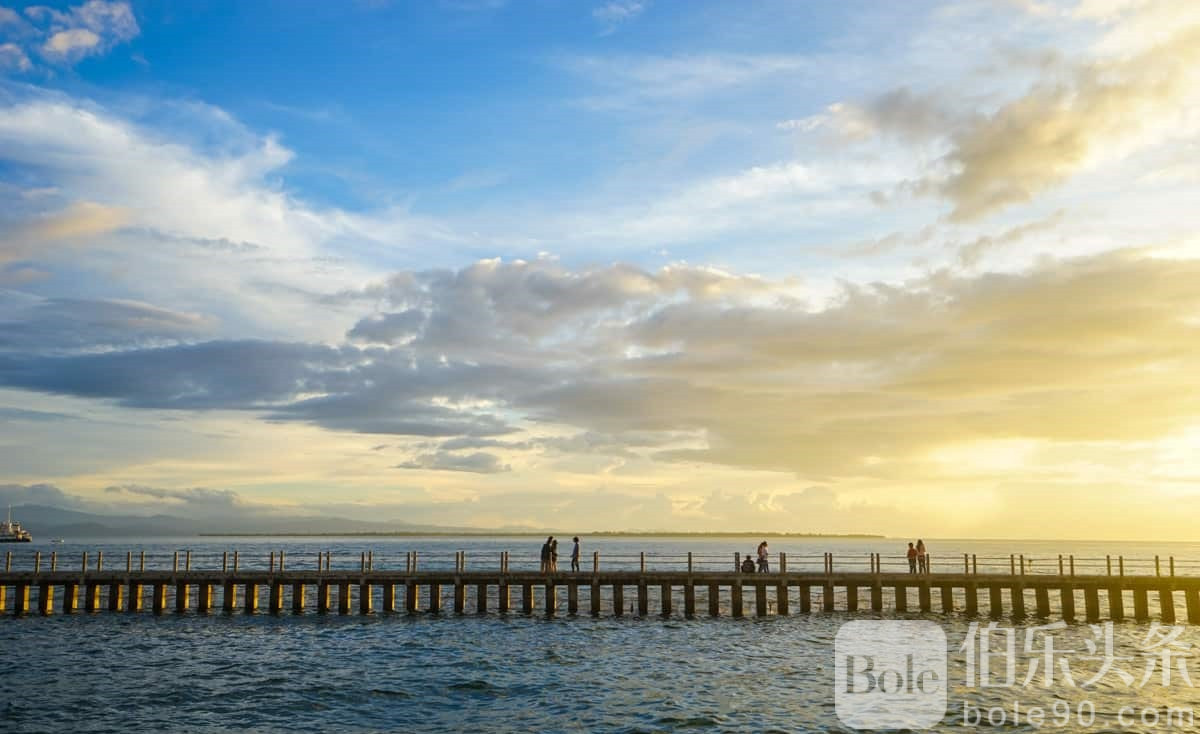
65, 324
613, 14
69, 228
685, 365
12, 58
84, 30
477, 463
634, 80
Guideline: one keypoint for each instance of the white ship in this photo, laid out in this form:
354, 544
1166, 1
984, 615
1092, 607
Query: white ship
11, 532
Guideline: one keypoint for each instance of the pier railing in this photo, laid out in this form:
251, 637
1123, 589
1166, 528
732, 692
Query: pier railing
949, 562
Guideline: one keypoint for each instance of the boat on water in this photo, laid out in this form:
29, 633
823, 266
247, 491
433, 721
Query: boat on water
11, 532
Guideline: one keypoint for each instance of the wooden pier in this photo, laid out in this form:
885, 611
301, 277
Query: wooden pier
638, 592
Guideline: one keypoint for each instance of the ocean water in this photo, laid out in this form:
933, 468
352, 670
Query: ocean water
447, 673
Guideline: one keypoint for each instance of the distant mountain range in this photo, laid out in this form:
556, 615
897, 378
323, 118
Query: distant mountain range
55, 522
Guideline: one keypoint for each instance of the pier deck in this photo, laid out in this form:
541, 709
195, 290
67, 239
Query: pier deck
640, 592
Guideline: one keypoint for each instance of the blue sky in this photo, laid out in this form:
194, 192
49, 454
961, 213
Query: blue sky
628, 263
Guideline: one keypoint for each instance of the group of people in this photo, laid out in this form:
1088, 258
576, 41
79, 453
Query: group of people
918, 559
764, 564
550, 555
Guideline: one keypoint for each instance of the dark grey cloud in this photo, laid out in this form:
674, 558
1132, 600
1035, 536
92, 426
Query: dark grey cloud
388, 328
477, 463
69, 324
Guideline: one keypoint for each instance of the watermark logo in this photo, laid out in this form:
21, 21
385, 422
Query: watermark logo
890, 674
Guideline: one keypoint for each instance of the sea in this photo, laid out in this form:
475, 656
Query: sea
516, 673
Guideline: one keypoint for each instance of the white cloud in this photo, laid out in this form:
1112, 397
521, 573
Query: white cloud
616, 12
12, 58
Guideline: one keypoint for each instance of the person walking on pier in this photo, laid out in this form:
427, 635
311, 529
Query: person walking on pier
546, 554
922, 557
575, 555
912, 558
763, 558
554, 556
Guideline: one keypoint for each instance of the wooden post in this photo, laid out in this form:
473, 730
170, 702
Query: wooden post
460, 597
187, 561
481, 593
175, 562
204, 595
827, 596
1108, 564
876, 595
91, 597
642, 561
235, 561
805, 599
275, 602
594, 600
689, 599
782, 562
411, 591
1072, 560
298, 597
1042, 596
1116, 604
974, 565
947, 593
1141, 605
572, 598
996, 601
1172, 560
70, 600
225, 562
781, 597
527, 598
366, 598
1091, 604
971, 595
344, 597
735, 598
134, 597
182, 592
901, 593
760, 599
714, 600
324, 591
618, 599
45, 599
923, 596
1166, 604
851, 597
389, 597
20, 598
251, 603
115, 590
643, 602
1017, 593
595, 561
689, 562
1067, 596
142, 562
158, 597
664, 598
99, 560
1191, 596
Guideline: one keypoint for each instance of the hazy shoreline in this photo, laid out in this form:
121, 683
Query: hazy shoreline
539, 533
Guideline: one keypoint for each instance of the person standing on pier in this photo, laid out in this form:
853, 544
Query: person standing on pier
554, 556
912, 558
546, 554
575, 555
922, 557
763, 558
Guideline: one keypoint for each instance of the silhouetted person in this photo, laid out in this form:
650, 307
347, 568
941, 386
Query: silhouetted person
763, 558
922, 557
748, 565
575, 555
546, 554
912, 559
554, 556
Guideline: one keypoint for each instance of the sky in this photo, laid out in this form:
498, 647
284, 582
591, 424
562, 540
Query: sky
920, 269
